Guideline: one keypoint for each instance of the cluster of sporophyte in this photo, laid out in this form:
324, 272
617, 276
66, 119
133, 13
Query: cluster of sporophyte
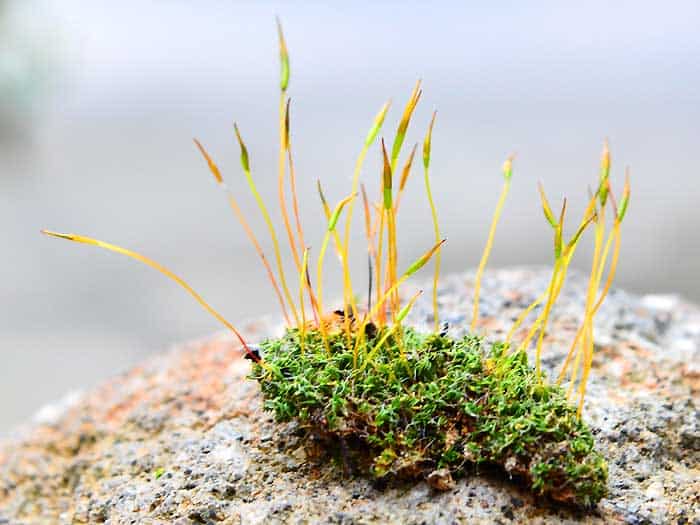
397, 403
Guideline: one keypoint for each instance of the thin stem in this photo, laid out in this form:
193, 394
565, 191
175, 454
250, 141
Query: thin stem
249, 232
558, 284
564, 254
404, 311
280, 180
417, 265
314, 303
588, 355
433, 213
378, 266
332, 222
165, 271
547, 309
577, 362
389, 211
295, 202
268, 221
371, 251
613, 267
569, 355
392, 258
345, 248
302, 285
348, 292
523, 315
319, 290
606, 252
263, 258
603, 294
487, 251
327, 213
405, 172
343, 263
293, 186
611, 274
587, 347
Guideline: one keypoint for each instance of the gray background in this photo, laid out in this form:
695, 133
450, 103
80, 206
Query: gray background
99, 102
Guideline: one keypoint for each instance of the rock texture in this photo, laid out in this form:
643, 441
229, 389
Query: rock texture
182, 438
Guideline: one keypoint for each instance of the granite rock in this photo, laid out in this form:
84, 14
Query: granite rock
182, 437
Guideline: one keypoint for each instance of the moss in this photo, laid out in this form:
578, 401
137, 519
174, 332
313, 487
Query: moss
449, 404
422, 405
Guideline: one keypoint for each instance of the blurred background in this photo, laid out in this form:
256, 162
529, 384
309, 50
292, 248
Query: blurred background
99, 102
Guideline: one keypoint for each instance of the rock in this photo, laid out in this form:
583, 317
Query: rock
183, 439
441, 479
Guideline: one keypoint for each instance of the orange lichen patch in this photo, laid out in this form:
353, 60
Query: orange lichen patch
201, 382
203, 372
206, 372
117, 413
690, 375
635, 368
513, 296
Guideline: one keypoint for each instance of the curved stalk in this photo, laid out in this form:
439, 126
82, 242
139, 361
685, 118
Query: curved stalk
523, 315
280, 181
163, 270
245, 163
302, 283
507, 172
433, 212
246, 227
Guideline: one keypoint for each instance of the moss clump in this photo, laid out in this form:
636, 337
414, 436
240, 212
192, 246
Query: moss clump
394, 402
446, 404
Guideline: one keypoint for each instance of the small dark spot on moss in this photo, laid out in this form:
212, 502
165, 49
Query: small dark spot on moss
508, 512
517, 502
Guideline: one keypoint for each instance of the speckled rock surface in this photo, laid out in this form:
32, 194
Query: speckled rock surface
182, 438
